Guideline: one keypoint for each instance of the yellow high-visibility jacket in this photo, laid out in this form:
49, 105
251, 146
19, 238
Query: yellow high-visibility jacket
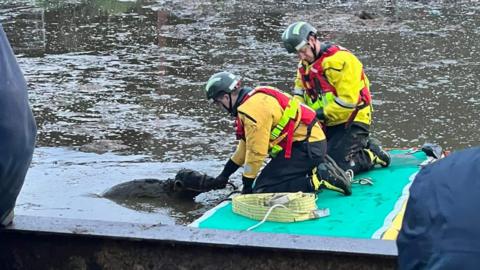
259, 115
343, 71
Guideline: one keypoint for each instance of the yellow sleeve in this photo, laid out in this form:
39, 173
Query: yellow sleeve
258, 114
239, 155
342, 71
299, 88
257, 139
299, 99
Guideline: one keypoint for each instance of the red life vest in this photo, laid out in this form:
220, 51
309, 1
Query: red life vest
307, 117
316, 83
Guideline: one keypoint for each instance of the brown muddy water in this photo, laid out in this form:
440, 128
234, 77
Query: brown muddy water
117, 86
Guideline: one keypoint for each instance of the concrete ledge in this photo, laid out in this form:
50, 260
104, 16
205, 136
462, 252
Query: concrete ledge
55, 243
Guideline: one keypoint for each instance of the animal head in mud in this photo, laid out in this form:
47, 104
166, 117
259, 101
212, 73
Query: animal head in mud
194, 181
187, 184
139, 188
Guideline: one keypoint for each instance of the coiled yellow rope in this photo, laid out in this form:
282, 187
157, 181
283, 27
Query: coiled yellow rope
278, 207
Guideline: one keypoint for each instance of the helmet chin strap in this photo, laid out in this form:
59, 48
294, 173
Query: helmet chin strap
314, 50
230, 108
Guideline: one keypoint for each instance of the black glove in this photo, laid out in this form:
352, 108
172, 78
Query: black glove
320, 115
218, 183
228, 170
196, 182
247, 185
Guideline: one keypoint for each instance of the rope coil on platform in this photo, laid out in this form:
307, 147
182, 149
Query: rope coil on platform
264, 206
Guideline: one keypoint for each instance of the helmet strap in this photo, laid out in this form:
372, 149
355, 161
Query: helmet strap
226, 108
314, 50
230, 109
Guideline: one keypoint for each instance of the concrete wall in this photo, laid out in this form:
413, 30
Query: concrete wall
44, 243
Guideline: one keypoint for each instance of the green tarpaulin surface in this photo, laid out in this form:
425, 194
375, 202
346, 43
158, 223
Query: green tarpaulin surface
367, 213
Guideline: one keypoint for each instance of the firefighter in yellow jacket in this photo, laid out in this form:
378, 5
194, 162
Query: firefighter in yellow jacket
331, 80
271, 123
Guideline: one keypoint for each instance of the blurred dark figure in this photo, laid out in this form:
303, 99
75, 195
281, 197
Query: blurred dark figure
441, 226
17, 130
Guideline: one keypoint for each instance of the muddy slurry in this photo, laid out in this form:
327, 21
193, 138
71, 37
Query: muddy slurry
110, 80
148, 194
103, 146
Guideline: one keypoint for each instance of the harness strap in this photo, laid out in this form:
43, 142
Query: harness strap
363, 102
354, 114
309, 132
318, 90
290, 131
281, 135
289, 113
276, 142
290, 128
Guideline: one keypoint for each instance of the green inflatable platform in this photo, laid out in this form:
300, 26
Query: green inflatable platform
367, 213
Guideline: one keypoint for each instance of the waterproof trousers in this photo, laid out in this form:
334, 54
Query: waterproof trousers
346, 146
293, 174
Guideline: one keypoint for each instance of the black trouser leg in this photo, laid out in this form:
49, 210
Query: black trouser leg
293, 174
346, 147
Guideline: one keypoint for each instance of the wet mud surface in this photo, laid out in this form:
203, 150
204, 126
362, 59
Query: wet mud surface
117, 86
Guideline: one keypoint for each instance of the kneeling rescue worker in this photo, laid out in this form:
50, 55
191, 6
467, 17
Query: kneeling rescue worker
271, 123
331, 81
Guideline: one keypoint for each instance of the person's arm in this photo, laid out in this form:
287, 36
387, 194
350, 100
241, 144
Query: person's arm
257, 139
299, 89
232, 165
343, 71
239, 156
257, 123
